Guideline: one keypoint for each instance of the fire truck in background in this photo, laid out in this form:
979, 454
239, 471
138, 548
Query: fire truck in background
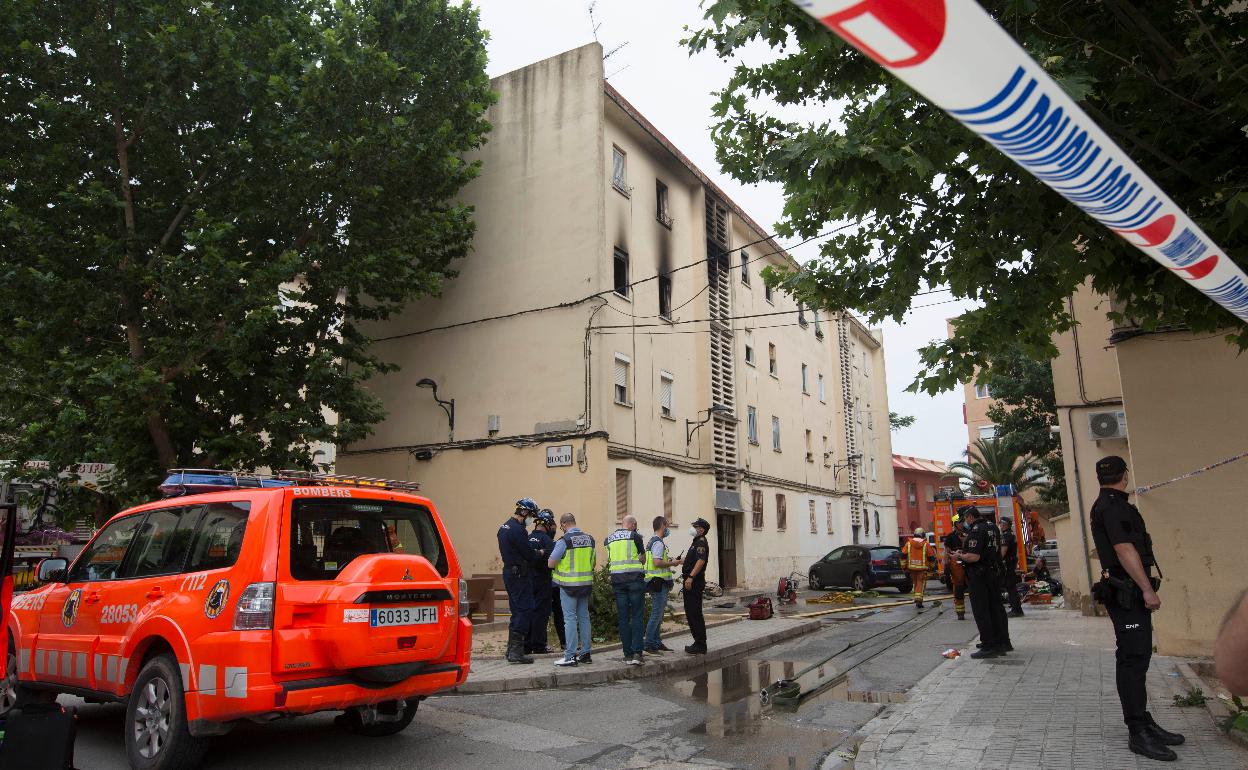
1003, 503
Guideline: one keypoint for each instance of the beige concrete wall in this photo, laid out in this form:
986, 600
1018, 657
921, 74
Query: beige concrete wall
1083, 352
539, 212
1187, 407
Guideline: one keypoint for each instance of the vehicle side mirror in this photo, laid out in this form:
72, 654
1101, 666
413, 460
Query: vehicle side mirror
53, 570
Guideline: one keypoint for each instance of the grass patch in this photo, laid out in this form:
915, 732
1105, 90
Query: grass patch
1193, 697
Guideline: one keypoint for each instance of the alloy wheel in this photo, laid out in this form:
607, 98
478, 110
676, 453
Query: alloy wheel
151, 718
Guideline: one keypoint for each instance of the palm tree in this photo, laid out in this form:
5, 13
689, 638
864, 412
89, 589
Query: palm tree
993, 461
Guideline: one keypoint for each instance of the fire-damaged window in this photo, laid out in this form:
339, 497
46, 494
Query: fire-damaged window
665, 297
621, 272
327, 535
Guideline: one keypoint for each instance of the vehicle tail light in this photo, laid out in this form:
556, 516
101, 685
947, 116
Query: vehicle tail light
463, 598
879, 562
254, 611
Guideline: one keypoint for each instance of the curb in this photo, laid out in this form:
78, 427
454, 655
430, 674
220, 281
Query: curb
610, 672
614, 645
1217, 710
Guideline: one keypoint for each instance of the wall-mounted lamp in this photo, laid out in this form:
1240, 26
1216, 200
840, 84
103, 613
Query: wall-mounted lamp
850, 462
691, 426
447, 406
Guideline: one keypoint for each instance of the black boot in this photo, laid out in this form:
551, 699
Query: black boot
1162, 736
1145, 744
515, 649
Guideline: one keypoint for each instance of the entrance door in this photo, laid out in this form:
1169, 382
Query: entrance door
726, 534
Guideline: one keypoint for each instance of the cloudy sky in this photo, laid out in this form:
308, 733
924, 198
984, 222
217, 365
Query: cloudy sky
674, 91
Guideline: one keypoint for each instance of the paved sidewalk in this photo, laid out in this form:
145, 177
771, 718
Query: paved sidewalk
723, 642
1049, 704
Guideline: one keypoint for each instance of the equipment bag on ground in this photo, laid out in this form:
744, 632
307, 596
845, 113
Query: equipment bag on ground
760, 608
39, 735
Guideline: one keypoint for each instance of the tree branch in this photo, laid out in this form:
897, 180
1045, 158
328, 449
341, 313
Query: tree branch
186, 208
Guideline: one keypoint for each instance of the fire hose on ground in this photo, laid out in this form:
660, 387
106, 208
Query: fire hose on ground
788, 692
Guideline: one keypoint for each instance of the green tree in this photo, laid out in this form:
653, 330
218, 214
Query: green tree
898, 421
995, 462
1024, 411
938, 207
199, 205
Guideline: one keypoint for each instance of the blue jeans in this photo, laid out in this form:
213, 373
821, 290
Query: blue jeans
658, 602
630, 603
575, 614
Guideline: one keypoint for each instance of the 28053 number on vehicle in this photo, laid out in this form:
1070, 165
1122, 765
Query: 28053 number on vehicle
402, 616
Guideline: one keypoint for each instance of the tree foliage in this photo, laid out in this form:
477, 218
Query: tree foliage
939, 207
201, 202
898, 421
997, 463
1024, 410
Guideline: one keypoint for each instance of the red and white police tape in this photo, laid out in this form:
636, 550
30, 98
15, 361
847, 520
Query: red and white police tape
953, 53
1189, 474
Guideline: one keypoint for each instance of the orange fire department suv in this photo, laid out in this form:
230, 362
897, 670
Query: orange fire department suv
336, 593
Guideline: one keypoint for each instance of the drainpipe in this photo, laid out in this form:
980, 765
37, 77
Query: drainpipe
1083, 516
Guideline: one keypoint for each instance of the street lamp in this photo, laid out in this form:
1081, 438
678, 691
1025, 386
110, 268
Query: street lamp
850, 461
447, 406
691, 426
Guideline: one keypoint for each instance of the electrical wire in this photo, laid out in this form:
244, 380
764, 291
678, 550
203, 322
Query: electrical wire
656, 276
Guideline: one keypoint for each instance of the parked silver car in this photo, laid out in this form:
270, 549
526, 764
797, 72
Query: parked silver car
1047, 551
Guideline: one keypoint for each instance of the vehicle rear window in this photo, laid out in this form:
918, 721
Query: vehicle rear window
326, 535
883, 553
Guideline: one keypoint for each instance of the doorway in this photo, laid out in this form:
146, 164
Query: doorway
726, 543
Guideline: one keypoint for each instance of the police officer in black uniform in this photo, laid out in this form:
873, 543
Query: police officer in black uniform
982, 556
517, 555
694, 572
542, 543
1130, 594
1009, 576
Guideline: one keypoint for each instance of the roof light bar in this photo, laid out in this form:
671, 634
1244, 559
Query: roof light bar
187, 481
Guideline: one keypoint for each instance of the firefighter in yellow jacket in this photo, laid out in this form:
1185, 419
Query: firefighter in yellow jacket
919, 557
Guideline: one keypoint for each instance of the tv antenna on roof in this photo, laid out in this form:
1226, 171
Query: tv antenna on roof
594, 26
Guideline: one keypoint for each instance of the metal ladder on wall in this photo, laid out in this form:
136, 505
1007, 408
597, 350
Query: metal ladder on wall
851, 432
723, 390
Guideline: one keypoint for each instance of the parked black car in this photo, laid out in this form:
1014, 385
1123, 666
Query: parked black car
860, 567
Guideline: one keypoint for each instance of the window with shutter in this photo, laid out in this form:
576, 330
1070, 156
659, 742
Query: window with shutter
669, 504
756, 499
805, 379
621, 380
829, 513
775, 433
666, 382
619, 172
782, 515
752, 424
621, 494
814, 526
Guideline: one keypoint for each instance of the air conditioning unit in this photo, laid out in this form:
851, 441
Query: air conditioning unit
1107, 425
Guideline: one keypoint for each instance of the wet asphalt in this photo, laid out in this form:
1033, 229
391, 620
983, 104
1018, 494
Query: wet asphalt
712, 717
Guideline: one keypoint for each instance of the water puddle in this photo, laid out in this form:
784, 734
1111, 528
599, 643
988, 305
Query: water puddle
750, 732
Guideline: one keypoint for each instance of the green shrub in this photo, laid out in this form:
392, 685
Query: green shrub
1194, 697
604, 619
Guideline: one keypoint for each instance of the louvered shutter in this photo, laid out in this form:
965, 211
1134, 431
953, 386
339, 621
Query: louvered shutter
669, 506
665, 395
757, 497
621, 494
782, 515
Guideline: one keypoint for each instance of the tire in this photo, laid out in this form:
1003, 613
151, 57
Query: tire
8, 688
858, 582
157, 736
908, 588
815, 585
379, 724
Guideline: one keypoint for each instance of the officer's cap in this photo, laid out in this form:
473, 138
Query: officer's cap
1110, 468
968, 510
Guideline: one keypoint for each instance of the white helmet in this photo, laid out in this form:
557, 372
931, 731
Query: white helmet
918, 532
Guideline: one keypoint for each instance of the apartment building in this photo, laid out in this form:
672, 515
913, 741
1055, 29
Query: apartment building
917, 481
976, 401
610, 349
